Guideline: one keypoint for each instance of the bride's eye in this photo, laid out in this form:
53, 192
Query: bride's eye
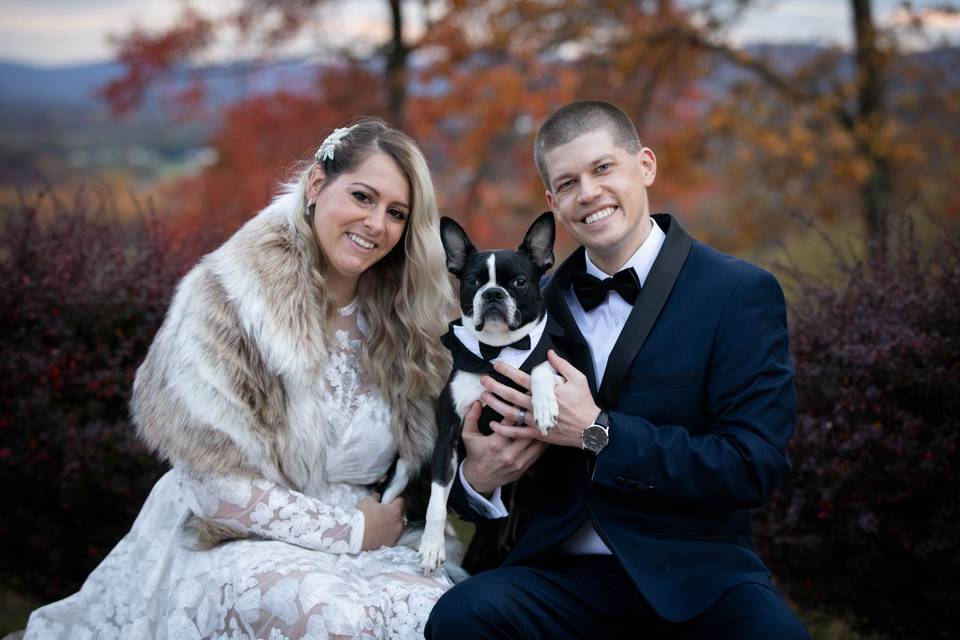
362, 197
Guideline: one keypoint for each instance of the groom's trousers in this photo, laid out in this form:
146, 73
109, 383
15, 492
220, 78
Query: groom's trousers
557, 596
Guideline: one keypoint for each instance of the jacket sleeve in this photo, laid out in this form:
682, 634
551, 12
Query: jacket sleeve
739, 456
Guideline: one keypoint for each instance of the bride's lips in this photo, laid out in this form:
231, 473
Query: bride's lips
360, 242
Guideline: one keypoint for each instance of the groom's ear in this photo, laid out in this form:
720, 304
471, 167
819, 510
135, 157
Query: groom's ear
456, 244
538, 243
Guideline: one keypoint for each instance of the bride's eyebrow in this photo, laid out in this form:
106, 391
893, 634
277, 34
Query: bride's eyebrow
398, 203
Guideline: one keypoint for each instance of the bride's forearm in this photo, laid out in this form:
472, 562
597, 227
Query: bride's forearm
269, 510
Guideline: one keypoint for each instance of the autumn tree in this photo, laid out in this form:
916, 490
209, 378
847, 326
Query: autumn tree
814, 130
492, 72
149, 57
833, 134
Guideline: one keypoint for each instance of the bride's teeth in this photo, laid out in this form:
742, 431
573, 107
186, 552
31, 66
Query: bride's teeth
599, 215
360, 241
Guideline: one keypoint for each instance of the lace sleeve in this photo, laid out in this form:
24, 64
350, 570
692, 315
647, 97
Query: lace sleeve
272, 511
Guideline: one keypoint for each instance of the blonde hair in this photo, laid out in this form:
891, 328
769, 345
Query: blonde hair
406, 298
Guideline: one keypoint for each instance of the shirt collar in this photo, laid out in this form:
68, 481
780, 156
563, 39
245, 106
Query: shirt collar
641, 260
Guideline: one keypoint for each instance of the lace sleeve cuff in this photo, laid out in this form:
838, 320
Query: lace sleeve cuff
272, 511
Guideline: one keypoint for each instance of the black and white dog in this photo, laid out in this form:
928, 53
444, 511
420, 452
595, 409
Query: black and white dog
503, 317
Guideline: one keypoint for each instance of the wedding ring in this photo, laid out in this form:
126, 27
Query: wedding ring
521, 417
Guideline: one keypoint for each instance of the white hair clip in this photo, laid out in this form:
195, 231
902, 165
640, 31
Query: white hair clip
326, 150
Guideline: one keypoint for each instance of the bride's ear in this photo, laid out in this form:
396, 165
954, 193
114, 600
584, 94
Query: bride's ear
315, 183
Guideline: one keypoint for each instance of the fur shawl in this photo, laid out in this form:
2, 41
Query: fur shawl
233, 380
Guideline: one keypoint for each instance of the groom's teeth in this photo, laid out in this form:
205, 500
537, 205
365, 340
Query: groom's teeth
599, 215
360, 241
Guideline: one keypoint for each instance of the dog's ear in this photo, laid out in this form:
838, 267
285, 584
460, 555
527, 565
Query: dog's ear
456, 244
538, 242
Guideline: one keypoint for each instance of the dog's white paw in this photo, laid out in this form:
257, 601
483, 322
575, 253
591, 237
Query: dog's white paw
432, 551
545, 411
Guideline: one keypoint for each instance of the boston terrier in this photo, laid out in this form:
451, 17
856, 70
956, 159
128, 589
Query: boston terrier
503, 318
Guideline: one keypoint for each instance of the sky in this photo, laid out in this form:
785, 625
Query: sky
66, 32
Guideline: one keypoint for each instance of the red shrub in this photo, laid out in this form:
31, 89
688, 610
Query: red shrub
81, 295
868, 522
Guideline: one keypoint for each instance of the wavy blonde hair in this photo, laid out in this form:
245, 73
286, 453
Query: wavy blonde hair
406, 297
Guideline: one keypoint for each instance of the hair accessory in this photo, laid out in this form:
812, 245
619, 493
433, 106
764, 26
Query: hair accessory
326, 150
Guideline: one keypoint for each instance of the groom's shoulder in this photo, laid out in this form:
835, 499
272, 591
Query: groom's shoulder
712, 262
712, 269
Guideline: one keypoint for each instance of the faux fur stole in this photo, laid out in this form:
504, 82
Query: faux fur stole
232, 383
268, 272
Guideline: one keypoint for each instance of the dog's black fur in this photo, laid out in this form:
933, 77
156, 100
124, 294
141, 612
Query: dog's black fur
501, 301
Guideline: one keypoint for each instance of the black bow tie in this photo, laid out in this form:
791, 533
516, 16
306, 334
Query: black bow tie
591, 290
489, 352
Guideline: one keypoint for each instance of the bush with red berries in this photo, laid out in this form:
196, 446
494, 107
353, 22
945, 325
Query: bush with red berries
82, 293
867, 524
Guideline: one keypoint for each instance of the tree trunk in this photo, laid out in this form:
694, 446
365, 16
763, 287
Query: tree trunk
396, 67
871, 68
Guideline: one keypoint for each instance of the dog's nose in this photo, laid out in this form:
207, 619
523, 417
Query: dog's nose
494, 294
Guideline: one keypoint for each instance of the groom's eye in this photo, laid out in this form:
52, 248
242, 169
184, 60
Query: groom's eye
473, 281
520, 283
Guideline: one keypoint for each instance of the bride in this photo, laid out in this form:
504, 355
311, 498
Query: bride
295, 363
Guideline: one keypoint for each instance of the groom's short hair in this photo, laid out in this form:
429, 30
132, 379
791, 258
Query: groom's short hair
577, 118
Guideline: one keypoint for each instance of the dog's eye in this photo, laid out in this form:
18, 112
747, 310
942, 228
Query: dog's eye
520, 283
473, 281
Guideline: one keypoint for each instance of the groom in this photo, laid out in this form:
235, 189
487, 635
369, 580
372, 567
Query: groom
674, 421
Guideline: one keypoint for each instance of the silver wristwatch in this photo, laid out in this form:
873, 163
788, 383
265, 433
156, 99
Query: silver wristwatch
596, 436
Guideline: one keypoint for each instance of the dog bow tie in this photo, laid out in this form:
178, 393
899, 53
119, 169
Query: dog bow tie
489, 352
591, 290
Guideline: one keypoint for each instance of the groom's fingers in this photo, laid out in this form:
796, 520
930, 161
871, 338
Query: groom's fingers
525, 433
521, 378
563, 367
509, 395
505, 408
471, 420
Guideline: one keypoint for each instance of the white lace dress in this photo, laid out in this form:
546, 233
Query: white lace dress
306, 577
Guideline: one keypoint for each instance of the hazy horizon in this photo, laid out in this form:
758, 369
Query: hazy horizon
59, 33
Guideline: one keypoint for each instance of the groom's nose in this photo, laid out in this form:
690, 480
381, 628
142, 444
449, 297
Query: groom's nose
589, 190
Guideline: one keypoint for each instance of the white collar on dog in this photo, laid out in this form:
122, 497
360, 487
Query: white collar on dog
508, 355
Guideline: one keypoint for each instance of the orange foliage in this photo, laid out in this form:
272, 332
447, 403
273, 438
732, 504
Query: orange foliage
732, 164
148, 56
260, 144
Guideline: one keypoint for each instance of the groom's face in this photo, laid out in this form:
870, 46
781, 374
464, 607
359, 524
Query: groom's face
598, 192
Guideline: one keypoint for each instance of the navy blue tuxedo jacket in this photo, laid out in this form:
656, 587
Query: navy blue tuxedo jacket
700, 393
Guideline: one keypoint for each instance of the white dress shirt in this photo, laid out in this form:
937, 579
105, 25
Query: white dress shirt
601, 328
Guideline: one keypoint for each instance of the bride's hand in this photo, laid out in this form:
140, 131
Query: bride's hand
383, 523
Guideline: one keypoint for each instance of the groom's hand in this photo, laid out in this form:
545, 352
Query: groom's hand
577, 408
494, 461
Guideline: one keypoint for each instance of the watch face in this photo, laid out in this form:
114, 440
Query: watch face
594, 438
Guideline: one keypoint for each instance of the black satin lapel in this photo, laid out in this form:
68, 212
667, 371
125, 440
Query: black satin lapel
663, 274
572, 342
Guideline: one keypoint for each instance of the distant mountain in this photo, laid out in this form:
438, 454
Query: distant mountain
22, 85
76, 86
